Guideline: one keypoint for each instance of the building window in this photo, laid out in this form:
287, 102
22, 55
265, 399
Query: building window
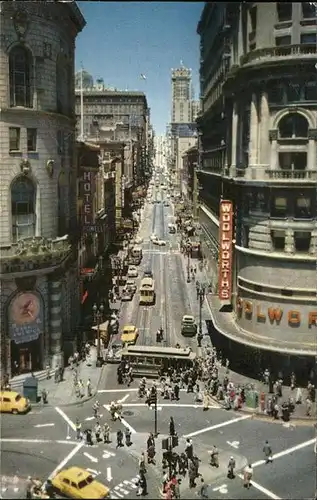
23, 208
283, 40
279, 207
293, 126
308, 10
310, 38
284, 11
303, 208
14, 139
302, 241
293, 161
278, 240
293, 92
310, 91
276, 93
31, 139
20, 70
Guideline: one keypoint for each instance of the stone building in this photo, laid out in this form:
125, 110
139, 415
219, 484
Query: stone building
38, 224
258, 132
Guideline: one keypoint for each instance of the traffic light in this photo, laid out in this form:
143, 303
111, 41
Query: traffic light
165, 444
174, 441
152, 398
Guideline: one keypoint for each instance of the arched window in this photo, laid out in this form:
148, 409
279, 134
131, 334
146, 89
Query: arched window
20, 70
62, 86
293, 126
23, 208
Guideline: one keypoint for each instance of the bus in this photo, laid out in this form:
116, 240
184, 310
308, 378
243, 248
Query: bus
147, 292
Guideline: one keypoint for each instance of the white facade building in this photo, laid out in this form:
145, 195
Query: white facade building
38, 255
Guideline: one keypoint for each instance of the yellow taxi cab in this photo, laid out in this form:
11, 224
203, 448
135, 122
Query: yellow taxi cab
13, 402
129, 335
76, 482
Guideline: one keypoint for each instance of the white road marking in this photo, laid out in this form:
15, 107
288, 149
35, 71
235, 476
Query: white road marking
44, 425
93, 471
66, 418
66, 460
288, 451
218, 426
36, 441
109, 474
234, 444
266, 492
121, 489
125, 423
93, 459
89, 418
124, 398
222, 489
108, 454
159, 408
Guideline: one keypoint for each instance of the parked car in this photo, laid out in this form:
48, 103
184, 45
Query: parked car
188, 327
126, 295
148, 274
132, 272
131, 285
160, 243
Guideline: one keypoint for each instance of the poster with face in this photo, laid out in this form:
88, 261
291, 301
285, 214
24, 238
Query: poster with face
25, 318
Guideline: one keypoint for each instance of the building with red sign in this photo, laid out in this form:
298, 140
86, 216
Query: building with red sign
257, 149
39, 279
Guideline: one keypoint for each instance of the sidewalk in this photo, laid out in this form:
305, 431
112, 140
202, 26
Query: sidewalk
237, 378
63, 393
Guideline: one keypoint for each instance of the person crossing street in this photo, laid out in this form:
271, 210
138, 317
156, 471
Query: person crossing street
267, 450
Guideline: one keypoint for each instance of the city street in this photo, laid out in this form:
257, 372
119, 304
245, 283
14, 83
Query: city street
44, 441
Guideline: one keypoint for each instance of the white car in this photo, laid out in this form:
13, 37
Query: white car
132, 272
126, 295
160, 243
153, 237
130, 285
138, 240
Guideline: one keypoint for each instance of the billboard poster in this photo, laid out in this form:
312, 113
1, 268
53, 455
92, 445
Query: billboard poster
225, 250
26, 318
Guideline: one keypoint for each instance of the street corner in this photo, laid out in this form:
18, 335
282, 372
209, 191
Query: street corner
12, 486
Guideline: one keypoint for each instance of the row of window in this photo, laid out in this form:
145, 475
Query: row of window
279, 93
285, 13
281, 205
63, 142
109, 109
302, 240
305, 38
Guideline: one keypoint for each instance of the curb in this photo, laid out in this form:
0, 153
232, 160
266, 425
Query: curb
73, 403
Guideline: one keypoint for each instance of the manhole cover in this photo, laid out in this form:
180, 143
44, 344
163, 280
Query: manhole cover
128, 413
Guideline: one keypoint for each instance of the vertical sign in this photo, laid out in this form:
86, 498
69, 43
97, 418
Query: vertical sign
225, 250
87, 195
122, 190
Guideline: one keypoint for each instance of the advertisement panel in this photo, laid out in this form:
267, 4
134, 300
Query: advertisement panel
26, 318
225, 250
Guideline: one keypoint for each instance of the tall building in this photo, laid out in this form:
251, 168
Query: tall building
195, 109
39, 279
113, 115
160, 146
181, 95
258, 131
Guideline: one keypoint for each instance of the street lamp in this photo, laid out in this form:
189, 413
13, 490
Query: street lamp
98, 316
188, 249
201, 292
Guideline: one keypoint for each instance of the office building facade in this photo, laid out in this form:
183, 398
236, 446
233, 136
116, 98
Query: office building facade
257, 149
38, 222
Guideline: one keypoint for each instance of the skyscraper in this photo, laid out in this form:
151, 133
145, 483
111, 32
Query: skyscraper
181, 95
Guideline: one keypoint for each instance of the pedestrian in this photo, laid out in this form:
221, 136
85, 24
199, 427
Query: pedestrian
189, 449
119, 438
81, 388
192, 474
44, 396
172, 427
88, 434
106, 433
203, 490
214, 457
267, 450
89, 388
308, 407
78, 429
299, 396
56, 375
128, 434
48, 372
142, 468
97, 432
142, 485
29, 488
231, 467
247, 476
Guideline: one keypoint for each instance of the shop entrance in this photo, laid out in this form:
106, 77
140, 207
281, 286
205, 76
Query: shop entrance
26, 357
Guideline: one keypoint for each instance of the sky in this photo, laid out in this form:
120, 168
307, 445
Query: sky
123, 40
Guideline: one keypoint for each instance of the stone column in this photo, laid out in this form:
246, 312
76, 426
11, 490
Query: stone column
264, 130
234, 136
253, 145
55, 322
274, 156
311, 155
289, 241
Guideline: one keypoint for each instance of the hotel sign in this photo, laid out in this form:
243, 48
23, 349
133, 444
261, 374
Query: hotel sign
87, 217
225, 250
